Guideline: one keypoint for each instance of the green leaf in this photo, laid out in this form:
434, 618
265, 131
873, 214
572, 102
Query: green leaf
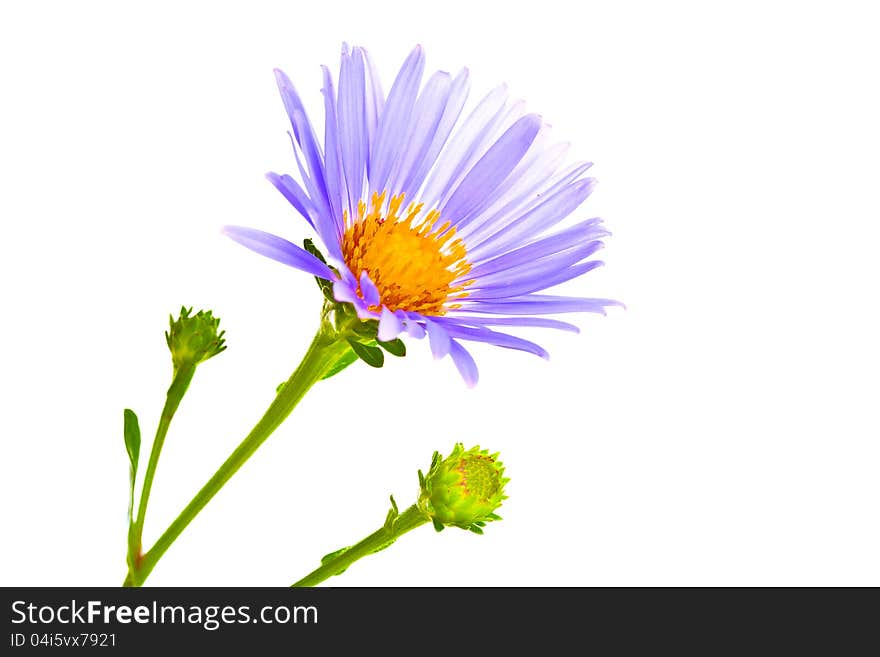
347, 359
330, 557
437, 524
309, 246
394, 347
132, 433
372, 356
367, 328
325, 285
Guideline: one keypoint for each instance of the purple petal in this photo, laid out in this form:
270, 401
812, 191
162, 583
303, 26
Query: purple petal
539, 322
533, 171
425, 118
369, 290
352, 129
534, 283
438, 338
465, 364
482, 334
332, 160
279, 249
540, 304
492, 225
586, 230
537, 270
491, 170
548, 213
389, 326
414, 329
395, 117
463, 148
303, 132
293, 193
374, 102
454, 104
344, 292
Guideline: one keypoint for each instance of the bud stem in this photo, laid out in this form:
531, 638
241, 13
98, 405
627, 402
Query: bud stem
179, 385
324, 352
408, 520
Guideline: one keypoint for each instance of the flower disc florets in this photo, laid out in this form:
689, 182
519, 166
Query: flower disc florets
464, 489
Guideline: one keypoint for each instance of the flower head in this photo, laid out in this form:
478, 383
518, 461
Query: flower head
463, 490
193, 339
434, 225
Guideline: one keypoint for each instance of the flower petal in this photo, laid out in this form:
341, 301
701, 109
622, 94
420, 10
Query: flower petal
482, 334
294, 194
491, 170
462, 149
538, 269
279, 249
545, 247
455, 102
465, 364
333, 174
533, 283
303, 132
369, 290
425, 118
414, 329
394, 118
540, 304
548, 213
515, 321
439, 339
389, 326
350, 115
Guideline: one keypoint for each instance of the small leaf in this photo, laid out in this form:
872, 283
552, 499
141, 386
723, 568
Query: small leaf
395, 347
330, 557
325, 285
132, 433
344, 361
367, 329
372, 356
393, 512
475, 529
437, 524
309, 246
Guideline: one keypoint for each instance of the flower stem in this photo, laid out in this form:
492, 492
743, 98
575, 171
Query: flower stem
408, 520
179, 384
326, 349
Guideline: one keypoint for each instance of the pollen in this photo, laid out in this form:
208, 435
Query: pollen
411, 258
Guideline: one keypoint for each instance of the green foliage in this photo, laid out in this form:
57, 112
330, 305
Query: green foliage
132, 434
372, 356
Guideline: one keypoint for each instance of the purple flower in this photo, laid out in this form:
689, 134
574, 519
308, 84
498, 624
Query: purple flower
437, 226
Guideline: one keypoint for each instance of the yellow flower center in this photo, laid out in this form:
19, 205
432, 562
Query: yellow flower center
479, 476
412, 262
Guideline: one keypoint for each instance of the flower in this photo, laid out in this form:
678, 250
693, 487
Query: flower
464, 489
433, 225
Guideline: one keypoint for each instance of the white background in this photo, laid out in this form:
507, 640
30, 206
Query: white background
720, 431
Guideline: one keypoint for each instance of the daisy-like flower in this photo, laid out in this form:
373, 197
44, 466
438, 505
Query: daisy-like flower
435, 225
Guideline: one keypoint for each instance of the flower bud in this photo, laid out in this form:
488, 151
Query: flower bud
463, 489
193, 339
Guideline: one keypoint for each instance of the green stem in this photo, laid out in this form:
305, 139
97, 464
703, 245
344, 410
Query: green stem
326, 349
408, 520
179, 384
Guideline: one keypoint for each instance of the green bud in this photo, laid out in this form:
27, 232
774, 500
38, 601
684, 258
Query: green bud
194, 339
464, 489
